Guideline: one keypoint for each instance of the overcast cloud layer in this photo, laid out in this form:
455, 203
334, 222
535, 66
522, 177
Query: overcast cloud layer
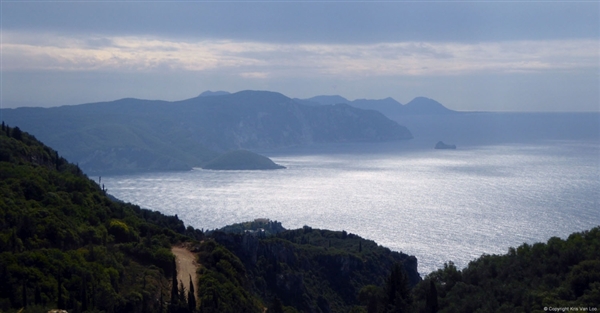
468, 55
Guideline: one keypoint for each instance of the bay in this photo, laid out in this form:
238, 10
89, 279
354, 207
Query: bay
439, 205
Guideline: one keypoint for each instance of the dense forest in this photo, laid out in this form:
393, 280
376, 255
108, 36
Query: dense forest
313, 270
65, 243
559, 273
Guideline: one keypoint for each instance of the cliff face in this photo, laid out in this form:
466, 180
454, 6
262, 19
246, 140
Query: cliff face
315, 270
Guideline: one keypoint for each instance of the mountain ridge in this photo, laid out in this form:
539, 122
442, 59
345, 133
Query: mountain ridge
128, 135
388, 106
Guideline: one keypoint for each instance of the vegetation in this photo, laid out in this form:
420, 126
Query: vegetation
65, 244
313, 270
559, 273
224, 284
261, 226
241, 160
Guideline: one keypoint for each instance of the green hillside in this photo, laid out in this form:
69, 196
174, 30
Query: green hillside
65, 244
313, 270
556, 274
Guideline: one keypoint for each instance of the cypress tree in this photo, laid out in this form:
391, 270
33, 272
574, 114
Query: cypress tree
61, 302
182, 294
397, 292
161, 300
17, 134
6, 290
191, 296
38, 295
276, 306
174, 291
24, 292
431, 299
84, 302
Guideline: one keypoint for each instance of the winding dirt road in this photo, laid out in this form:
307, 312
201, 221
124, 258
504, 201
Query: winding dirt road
186, 266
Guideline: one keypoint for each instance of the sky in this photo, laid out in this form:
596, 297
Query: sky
468, 55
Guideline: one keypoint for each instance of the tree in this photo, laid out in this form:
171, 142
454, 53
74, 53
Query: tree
174, 291
17, 134
191, 296
370, 296
84, 300
182, 295
431, 298
276, 306
24, 291
38, 295
396, 291
61, 301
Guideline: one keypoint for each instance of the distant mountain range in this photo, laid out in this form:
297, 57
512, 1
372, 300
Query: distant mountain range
141, 135
387, 106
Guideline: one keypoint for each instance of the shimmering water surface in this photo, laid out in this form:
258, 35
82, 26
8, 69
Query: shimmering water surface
439, 205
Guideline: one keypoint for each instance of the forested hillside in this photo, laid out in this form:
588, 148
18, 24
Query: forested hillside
314, 270
556, 274
65, 244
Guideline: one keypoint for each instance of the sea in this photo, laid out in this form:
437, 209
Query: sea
438, 205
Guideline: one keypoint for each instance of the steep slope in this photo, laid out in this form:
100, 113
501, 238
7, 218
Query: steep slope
142, 135
312, 270
65, 244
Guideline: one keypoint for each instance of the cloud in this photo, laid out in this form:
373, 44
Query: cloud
23, 52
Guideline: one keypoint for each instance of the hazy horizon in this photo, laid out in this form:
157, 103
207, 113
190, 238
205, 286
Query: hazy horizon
469, 56
16, 105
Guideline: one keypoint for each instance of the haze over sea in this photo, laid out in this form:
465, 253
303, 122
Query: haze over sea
439, 205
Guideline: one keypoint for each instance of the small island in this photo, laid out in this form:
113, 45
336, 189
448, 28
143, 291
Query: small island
241, 160
442, 145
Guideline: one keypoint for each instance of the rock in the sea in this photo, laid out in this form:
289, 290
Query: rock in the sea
442, 145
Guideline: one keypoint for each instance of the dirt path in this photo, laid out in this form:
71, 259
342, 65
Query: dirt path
186, 266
